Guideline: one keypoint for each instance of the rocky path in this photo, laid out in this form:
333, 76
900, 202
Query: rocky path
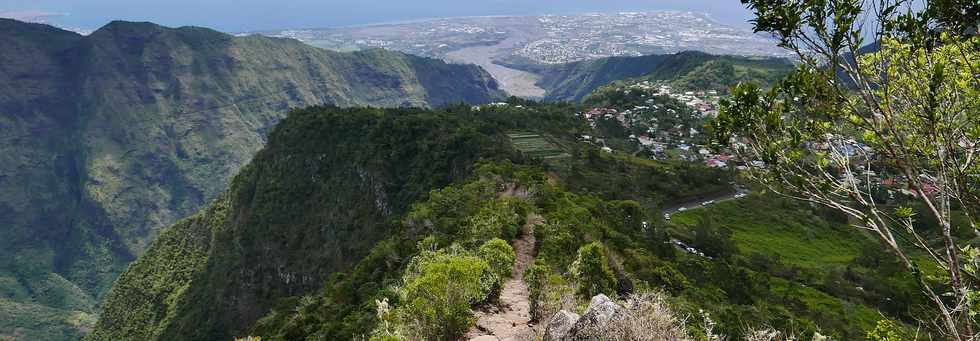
510, 318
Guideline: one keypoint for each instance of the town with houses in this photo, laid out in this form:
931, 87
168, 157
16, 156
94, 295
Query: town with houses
549, 39
683, 139
571, 38
659, 130
656, 128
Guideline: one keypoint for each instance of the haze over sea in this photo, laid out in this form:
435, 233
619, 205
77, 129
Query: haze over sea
253, 15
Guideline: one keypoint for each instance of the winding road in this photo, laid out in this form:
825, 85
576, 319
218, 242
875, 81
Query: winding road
699, 203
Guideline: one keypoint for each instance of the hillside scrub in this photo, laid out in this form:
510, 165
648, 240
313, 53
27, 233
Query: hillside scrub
439, 290
417, 183
591, 271
499, 256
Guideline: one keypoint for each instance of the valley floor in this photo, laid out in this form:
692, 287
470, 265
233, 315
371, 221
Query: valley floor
515, 82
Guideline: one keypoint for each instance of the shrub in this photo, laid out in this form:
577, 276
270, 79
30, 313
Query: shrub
591, 270
536, 277
440, 287
885, 330
499, 255
497, 219
386, 338
556, 243
671, 279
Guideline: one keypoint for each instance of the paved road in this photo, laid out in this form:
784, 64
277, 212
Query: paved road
695, 204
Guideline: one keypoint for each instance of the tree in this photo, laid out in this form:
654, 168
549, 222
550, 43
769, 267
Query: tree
591, 270
909, 111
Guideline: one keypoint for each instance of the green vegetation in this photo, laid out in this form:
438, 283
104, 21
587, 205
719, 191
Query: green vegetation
853, 124
105, 139
591, 271
435, 246
809, 238
535, 145
796, 262
536, 276
684, 70
653, 184
275, 238
499, 255
439, 289
885, 330
397, 223
30, 321
280, 222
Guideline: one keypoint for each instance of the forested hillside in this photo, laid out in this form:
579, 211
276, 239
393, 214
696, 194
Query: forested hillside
345, 209
685, 70
109, 137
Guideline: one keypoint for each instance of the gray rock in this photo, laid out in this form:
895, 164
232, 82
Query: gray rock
593, 323
567, 326
559, 326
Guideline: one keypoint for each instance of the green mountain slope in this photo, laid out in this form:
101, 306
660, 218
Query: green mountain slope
106, 138
334, 212
691, 70
311, 203
330, 185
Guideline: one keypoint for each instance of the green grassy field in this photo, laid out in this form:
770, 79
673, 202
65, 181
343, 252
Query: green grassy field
798, 237
807, 248
535, 145
818, 301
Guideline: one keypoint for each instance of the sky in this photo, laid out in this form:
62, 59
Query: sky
256, 15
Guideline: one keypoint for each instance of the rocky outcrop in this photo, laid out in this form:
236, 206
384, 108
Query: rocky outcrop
560, 325
590, 326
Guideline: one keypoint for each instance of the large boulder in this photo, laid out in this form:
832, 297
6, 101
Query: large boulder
593, 323
591, 326
560, 325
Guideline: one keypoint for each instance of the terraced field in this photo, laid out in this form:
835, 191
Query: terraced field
535, 146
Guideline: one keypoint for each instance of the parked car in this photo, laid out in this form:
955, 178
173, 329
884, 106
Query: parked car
666, 216
706, 203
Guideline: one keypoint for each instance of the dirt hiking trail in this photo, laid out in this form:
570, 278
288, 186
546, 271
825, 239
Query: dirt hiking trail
510, 318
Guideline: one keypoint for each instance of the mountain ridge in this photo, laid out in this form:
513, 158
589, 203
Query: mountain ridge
111, 136
575, 81
326, 205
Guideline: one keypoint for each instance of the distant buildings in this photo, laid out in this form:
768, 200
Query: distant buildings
551, 39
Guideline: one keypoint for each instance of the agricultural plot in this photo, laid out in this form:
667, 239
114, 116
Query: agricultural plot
535, 145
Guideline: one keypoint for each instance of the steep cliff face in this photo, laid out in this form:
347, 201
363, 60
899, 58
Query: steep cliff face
109, 137
312, 203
